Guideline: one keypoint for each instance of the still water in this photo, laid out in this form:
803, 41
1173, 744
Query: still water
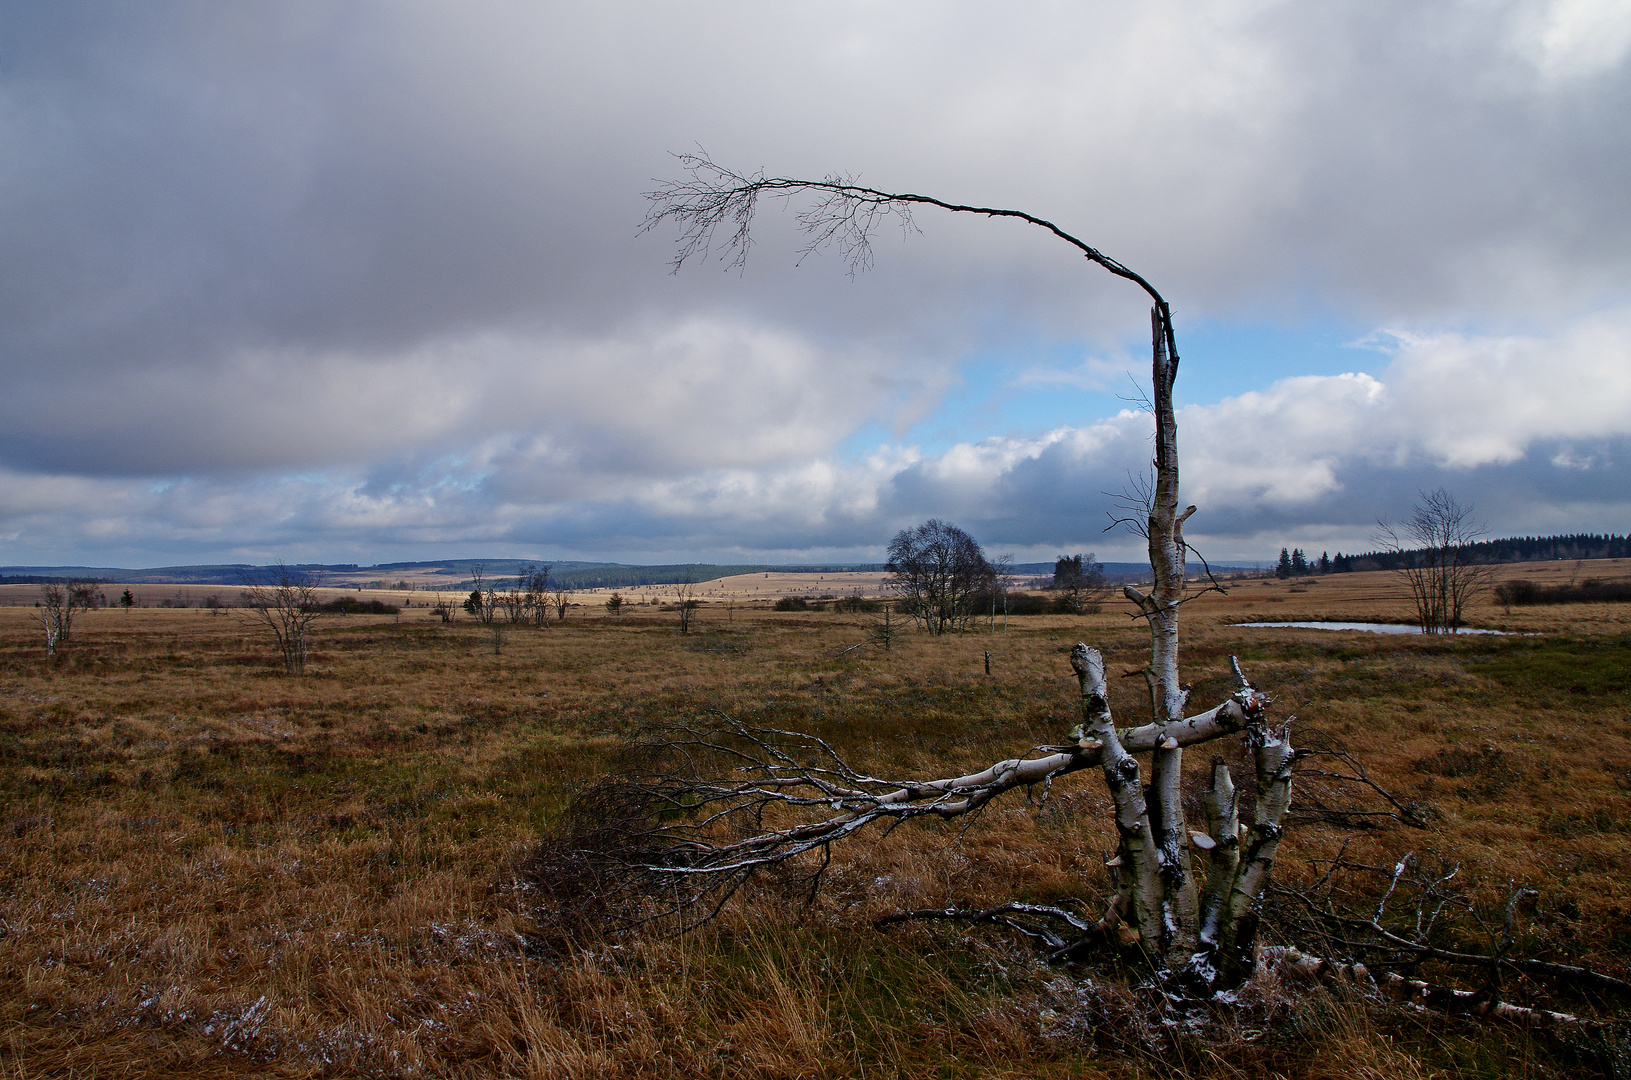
1373, 627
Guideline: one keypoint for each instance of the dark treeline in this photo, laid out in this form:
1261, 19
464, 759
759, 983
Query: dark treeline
214, 574
42, 579
1573, 546
346, 605
1294, 562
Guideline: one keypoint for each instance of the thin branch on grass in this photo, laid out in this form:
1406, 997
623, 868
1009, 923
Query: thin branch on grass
1385, 939
1012, 916
1321, 746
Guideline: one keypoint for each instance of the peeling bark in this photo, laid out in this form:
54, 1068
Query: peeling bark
1141, 856
1223, 856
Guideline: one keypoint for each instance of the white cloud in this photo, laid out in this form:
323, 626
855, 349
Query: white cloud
1575, 39
1475, 400
700, 393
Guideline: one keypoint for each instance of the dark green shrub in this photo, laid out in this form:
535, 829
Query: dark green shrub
348, 605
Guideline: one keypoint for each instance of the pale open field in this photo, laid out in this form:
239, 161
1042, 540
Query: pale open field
767, 586
1370, 595
208, 868
741, 587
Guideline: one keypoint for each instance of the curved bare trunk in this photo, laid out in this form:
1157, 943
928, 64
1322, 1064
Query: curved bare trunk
1196, 932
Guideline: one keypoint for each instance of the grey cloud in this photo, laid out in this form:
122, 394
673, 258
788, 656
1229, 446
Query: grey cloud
393, 248
302, 175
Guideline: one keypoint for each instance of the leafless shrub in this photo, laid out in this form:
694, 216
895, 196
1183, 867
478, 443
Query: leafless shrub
687, 605
285, 602
1435, 544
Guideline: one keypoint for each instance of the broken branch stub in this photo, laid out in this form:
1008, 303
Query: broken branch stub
1201, 942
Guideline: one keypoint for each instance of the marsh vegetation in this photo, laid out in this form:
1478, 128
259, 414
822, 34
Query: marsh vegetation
210, 867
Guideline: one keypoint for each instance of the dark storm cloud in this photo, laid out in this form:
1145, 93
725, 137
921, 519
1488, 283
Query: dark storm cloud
352, 268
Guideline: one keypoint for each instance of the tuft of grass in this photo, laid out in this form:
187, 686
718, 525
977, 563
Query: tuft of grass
1587, 667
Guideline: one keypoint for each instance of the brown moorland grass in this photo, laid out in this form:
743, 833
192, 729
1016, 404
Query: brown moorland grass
208, 868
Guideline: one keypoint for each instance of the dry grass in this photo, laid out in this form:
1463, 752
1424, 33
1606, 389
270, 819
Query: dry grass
208, 868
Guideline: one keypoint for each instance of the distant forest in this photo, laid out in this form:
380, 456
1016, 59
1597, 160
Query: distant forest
1573, 546
46, 579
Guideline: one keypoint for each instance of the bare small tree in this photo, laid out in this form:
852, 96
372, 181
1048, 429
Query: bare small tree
533, 582
59, 602
483, 601
561, 600
511, 603
285, 601
688, 605
1434, 547
1079, 580
939, 573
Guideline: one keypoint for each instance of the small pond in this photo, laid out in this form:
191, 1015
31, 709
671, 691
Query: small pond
1373, 627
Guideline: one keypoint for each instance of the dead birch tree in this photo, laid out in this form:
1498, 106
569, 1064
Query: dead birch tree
673, 841
57, 606
681, 840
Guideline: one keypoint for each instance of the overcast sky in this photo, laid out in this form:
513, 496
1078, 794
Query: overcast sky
358, 282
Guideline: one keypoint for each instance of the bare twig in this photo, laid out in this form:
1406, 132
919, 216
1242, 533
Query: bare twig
1386, 941
1007, 915
1316, 744
711, 200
